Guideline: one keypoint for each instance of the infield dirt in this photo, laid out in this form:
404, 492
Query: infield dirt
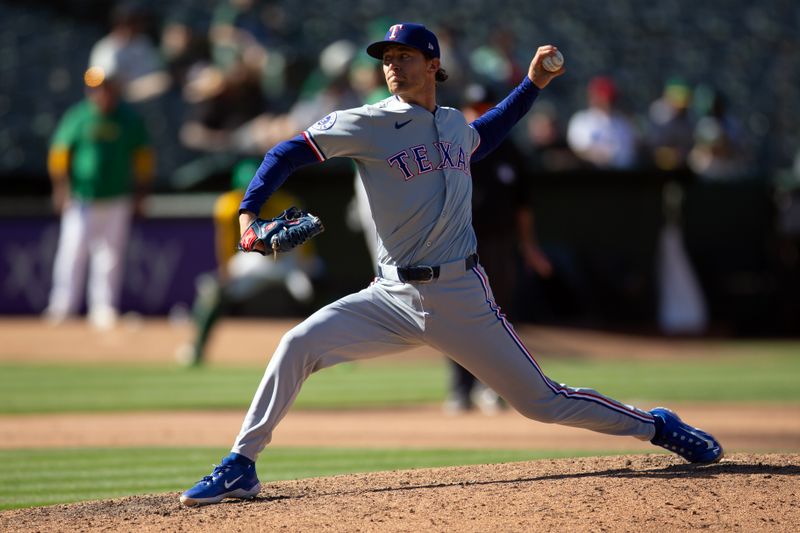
626, 493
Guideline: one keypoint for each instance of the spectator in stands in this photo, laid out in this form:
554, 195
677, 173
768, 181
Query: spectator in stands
242, 276
601, 134
129, 52
220, 103
547, 142
495, 61
101, 164
671, 132
719, 146
244, 31
230, 117
220, 109
327, 88
184, 49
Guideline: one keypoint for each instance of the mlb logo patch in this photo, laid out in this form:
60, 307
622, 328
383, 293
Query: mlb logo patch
326, 123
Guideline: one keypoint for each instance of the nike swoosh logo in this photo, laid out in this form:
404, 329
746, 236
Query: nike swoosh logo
709, 444
398, 125
229, 485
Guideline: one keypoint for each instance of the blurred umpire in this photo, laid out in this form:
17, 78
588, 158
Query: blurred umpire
101, 164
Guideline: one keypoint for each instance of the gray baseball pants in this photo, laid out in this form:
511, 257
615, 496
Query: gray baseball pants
455, 314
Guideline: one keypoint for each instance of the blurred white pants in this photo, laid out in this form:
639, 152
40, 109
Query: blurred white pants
250, 271
95, 233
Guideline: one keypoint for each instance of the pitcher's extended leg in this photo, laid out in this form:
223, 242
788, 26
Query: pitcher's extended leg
487, 345
362, 325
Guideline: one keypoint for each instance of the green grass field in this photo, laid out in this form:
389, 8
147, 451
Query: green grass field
41, 477
59, 388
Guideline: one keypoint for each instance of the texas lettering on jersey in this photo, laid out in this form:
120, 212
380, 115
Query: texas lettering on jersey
450, 157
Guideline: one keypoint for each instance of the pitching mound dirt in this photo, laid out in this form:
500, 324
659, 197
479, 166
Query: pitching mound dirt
627, 493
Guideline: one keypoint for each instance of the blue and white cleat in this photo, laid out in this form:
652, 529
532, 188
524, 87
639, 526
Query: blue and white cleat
694, 445
235, 477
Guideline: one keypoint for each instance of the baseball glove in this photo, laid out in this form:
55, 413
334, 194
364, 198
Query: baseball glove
291, 228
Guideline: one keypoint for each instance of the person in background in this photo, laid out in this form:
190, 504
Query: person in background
129, 51
241, 276
547, 147
495, 60
101, 164
671, 131
249, 32
601, 134
719, 152
184, 48
220, 105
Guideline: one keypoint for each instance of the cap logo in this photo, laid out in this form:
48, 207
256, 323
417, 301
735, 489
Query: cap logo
430, 46
393, 31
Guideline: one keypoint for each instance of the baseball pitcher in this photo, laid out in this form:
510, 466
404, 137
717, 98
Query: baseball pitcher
414, 158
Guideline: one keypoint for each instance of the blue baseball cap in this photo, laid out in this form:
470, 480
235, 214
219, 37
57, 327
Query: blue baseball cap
408, 34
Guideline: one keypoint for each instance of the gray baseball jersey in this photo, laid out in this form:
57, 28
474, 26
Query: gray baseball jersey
415, 168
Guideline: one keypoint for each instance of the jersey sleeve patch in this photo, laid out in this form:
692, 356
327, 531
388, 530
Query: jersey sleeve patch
325, 123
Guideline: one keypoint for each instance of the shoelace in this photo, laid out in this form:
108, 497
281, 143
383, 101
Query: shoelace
218, 469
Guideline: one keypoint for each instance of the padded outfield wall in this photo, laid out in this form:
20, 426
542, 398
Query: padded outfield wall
602, 230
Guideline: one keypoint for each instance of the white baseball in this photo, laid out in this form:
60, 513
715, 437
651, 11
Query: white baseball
553, 63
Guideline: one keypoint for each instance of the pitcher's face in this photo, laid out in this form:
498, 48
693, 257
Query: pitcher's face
407, 70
